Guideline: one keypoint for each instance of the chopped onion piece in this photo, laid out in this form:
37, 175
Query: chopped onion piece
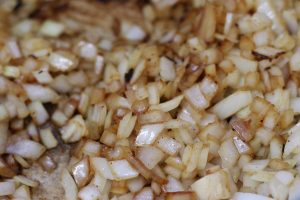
48, 138
168, 105
150, 156
244, 65
126, 125
62, 61
26, 181
74, 130
101, 165
232, 104
148, 134
41, 93
26, 149
249, 196
122, 170
168, 145
255, 165
167, 69
89, 192
132, 32
145, 194
69, 185
51, 28
7, 188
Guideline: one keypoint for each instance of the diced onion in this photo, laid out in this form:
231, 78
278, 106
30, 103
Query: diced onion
148, 134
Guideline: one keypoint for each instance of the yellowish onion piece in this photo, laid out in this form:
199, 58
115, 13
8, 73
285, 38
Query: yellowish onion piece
7, 188
232, 104
26, 181
173, 185
244, 65
241, 146
168, 105
207, 27
51, 28
69, 185
136, 184
154, 116
22, 192
228, 153
148, 134
150, 156
196, 97
38, 112
48, 138
294, 192
126, 125
292, 144
217, 185
256, 165
181, 196
242, 128
26, 149
285, 177
74, 130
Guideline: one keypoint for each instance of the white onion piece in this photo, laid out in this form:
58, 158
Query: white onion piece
62, 61
244, 65
293, 141
22, 192
168, 145
132, 32
101, 165
196, 97
26, 181
48, 138
126, 125
232, 104
136, 184
51, 28
41, 93
7, 188
80, 172
74, 130
285, 177
90, 192
167, 69
145, 194
87, 50
122, 170
255, 165
150, 156
26, 149
148, 134
168, 105
228, 153
69, 185
38, 112
249, 196
213, 186
294, 192
173, 185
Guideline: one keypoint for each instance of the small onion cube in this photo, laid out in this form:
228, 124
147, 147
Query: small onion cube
148, 134
122, 170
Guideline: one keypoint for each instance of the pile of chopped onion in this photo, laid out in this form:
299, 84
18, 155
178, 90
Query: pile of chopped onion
155, 100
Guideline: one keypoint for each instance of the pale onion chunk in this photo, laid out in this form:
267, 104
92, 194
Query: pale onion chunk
293, 141
136, 184
213, 186
150, 156
22, 192
232, 104
196, 97
173, 185
168, 105
145, 194
228, 153
138, 71
7, 188
38, 112
132, 32
26, 181
90, 192
268, 52
48, 138
41, 93
126, 125
102, 167
62, 61
167, 69
255, 165
244, 65
285, 177
249, 196
295, 61
26, 149
43, 76
51, 28
80, 172
122, 170
148, 134
294, 192
168, 145
74, 130
69, 185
